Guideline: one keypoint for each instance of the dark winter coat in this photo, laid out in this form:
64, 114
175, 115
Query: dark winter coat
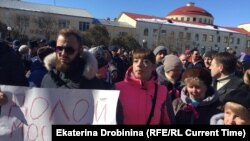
11, 67
186, 113
198, 64
81, 75
37, 73
233, 84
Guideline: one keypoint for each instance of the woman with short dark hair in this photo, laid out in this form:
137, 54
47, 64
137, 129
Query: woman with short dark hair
142, 100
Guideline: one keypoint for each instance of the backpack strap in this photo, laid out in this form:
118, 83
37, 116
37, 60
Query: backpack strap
153, 105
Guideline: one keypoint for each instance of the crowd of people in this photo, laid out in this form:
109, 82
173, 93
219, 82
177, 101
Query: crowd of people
156, 86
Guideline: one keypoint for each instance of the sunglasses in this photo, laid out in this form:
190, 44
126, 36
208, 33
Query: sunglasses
67, 49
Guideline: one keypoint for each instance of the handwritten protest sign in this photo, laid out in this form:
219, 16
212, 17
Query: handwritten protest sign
30, 112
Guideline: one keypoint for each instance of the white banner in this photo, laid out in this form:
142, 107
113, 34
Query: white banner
30, 112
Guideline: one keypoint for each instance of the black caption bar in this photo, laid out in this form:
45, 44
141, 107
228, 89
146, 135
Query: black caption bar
148, 132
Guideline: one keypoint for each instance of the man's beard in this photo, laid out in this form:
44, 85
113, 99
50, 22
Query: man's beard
63, 67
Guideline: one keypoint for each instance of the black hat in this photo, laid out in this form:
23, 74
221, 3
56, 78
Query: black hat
33, 44
42, 41
52, 43
113, 48
193, 50
240, 96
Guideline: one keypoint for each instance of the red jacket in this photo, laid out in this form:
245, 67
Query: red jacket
136, 100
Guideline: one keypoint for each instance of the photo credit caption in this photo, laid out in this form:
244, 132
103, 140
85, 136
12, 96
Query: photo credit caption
141, 131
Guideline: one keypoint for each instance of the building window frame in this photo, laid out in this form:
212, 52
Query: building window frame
145, 32
63, 23
83, 26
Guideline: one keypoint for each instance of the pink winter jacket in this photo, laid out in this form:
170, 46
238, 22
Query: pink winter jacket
136, 101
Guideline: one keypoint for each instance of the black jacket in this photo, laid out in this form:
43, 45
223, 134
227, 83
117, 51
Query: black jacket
11, 67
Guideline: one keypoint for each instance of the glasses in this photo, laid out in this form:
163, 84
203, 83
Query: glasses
67, 49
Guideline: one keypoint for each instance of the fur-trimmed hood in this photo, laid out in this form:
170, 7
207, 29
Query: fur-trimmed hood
90, 68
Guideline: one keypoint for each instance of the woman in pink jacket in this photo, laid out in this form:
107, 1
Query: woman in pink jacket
142, 101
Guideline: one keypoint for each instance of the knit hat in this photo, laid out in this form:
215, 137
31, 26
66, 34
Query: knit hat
160, 48
240, 96
171, 62
99, 54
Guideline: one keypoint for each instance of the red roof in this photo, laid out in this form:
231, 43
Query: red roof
190, 10
241, 30
137, 16
140, 16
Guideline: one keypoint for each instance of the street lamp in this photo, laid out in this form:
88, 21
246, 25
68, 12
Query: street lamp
9, 30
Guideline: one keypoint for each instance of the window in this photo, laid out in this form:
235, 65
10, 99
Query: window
200, 20
248, 43
194, 19
155, 31
196, 37
83, 26
163, 32
205, 20
231, 40
218, 39
176, 18
172, 34
188, 19
204, 37
182, 18
238, 41
188, 36
123, 34
145, 33
225, 39
180, 35
210, 38
64, 23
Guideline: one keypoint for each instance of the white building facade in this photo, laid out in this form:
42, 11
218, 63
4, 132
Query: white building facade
185, 28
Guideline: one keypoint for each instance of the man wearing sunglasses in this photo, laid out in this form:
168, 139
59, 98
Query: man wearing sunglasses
69, 66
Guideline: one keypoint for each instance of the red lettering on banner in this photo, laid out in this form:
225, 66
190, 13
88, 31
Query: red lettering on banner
28, 132
32, 105
59, 102
104, 110
42, 132
78, 102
